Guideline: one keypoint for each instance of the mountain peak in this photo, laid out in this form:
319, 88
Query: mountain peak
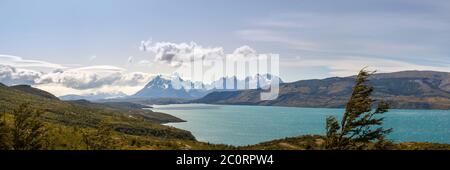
159, 82
161, 87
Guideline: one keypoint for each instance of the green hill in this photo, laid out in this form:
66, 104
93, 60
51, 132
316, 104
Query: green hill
71, 113
34, 91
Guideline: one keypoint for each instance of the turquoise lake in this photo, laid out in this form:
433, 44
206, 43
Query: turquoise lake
245, 125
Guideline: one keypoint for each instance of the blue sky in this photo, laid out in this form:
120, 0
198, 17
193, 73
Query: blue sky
315, 39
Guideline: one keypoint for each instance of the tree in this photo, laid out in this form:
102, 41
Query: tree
5, 137
28, 132
360, 124
101, 138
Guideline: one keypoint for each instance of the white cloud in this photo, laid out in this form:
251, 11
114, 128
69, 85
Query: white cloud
350, 65
145, 44
59, 90
244, 51
265, 35
81, 80
99, 68
145, 62
94, 77
19, 62
176, 54
92, 58
12, 76
130, 59
280, 24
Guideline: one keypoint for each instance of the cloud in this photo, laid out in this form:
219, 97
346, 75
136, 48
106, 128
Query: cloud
92, 58
99, 68
145, 62
365, 32
349, 65
93, 80
19, 62
280, 24
270, 36
130, 59
93, 77
244, 51
81, 80
145, 44
176, 54
90, 83
11, 76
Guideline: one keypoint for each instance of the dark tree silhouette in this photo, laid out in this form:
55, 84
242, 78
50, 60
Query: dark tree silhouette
360, 124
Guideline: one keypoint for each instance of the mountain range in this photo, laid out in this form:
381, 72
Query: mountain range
405, 90
174, 88
93, 96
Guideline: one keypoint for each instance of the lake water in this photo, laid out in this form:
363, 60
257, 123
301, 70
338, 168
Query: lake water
246, 125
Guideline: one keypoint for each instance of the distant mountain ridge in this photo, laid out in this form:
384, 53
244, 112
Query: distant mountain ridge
93, 96
405, 90
175, 87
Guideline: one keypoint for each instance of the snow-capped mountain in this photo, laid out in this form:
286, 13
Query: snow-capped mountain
176, 87
252, 82
164, 87
263, 80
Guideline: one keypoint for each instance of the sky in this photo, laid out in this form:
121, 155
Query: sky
111, 46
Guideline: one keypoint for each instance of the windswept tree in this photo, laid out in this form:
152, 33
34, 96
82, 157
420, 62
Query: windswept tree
28, 132
361, 123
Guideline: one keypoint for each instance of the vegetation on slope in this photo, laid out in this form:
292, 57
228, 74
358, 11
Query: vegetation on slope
61, 114
31, 119
54, 136
317, 142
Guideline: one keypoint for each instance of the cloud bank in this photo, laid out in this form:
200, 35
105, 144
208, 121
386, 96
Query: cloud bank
10, 75
82, 80
177, 54
23, 63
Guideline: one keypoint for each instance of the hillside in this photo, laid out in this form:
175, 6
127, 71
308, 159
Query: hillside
403, 90
67, 122
34, 91
87, 115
